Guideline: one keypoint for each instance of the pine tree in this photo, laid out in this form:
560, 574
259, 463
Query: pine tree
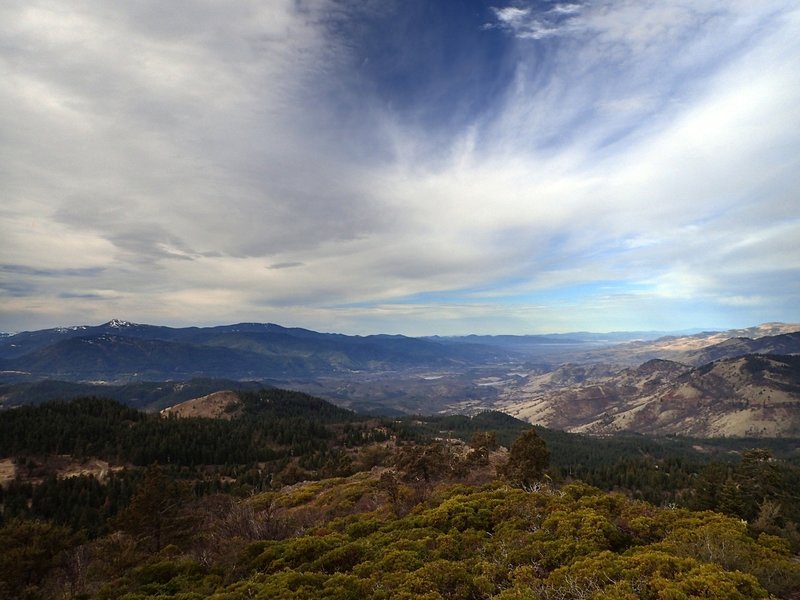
527, 460
157, 514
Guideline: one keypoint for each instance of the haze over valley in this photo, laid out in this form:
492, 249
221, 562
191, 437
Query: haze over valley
733, 383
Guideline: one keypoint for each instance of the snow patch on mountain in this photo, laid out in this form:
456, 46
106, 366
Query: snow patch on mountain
119, 324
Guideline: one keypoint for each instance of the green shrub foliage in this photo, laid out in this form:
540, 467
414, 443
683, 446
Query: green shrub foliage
281, 511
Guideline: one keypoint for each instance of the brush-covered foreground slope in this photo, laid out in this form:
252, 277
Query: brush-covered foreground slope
355, 538
400, 509
752, 395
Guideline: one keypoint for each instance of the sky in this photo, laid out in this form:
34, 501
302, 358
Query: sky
400, 166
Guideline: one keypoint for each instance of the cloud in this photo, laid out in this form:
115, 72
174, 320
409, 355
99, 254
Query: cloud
528, 23
512, 16
395, 167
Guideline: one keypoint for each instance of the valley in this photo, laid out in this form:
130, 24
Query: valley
704, 384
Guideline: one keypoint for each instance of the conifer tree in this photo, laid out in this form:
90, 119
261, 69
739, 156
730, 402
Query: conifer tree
157, 514
527, 460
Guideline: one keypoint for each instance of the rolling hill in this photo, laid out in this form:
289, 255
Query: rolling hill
143, 395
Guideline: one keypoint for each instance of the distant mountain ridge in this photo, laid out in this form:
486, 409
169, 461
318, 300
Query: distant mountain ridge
499, 346
696, 348
120, 351
261, 350
784, 343
599, 383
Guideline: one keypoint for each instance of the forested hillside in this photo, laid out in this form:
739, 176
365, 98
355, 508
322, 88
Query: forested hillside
293, 497
119, 351
143, 395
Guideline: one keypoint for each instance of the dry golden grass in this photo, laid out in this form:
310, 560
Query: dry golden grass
213, 406
8, 470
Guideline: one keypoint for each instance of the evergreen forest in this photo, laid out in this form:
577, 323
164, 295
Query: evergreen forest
292, 497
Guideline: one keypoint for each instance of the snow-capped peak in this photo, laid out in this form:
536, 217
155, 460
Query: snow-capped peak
119, 324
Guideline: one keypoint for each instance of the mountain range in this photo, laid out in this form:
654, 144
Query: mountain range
694, 349
738, 382
119, 351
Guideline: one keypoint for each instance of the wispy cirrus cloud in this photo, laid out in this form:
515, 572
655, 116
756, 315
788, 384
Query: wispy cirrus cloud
400, 166
534, 23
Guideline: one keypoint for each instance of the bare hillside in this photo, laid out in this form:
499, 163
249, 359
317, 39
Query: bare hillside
219, 405
701, 348
752, 395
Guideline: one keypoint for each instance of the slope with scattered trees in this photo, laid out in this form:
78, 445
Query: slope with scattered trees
296, 498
